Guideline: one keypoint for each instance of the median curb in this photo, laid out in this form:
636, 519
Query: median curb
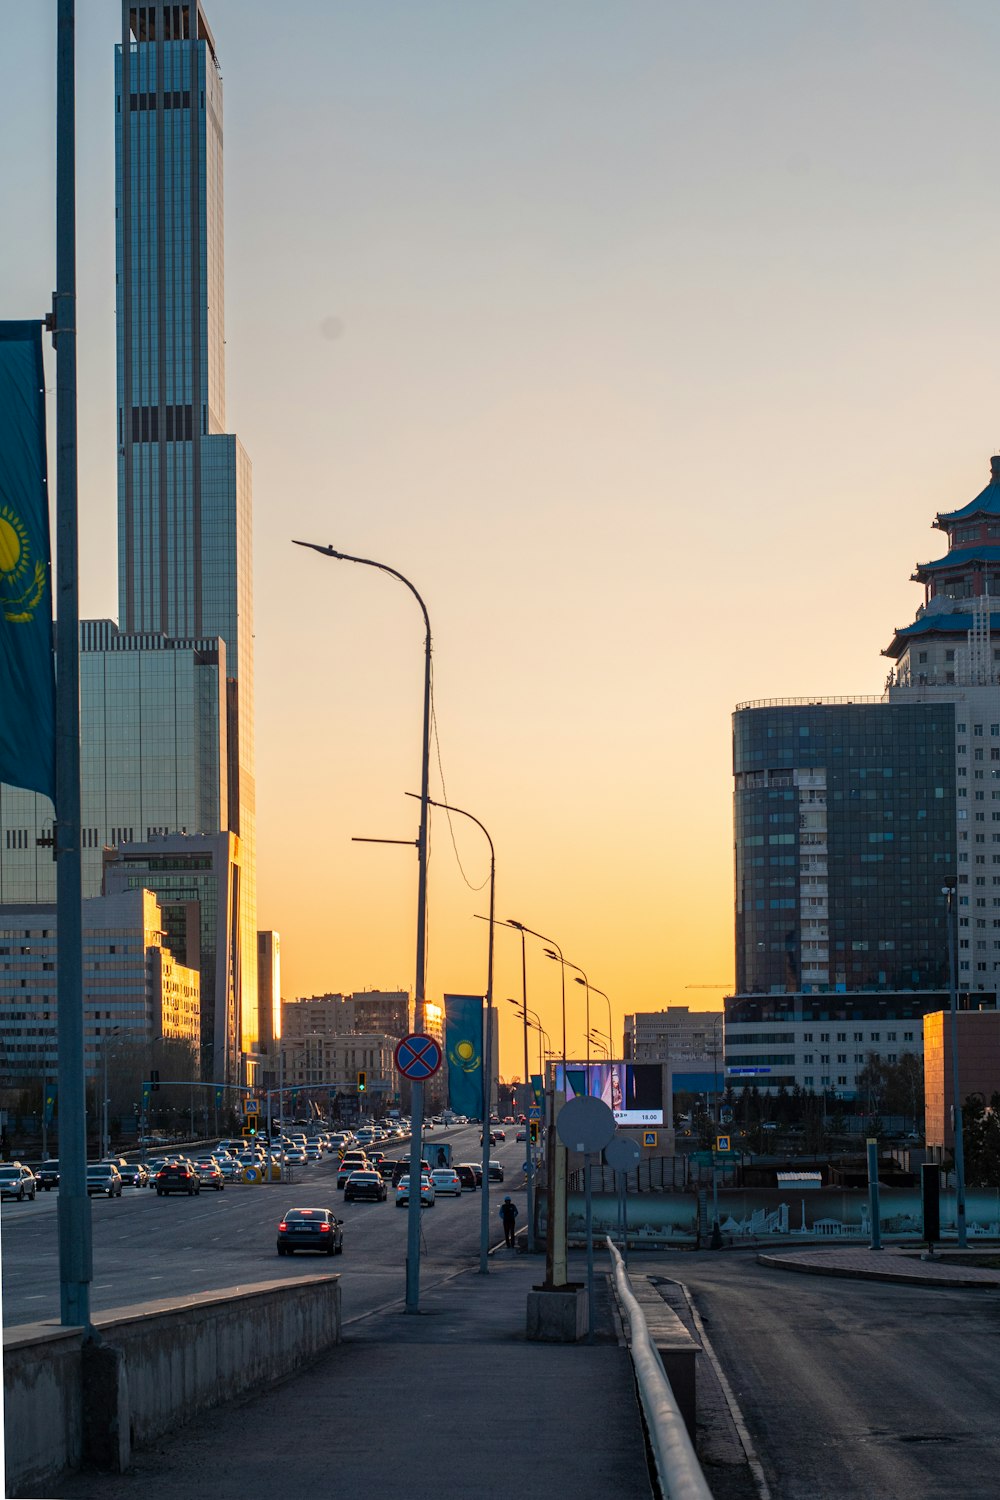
881, 1265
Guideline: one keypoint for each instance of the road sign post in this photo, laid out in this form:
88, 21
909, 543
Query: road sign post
417, 1057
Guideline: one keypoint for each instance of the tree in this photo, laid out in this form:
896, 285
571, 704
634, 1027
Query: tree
981, 1138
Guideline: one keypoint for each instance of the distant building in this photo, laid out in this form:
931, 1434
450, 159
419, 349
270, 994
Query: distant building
387, 1011
978, 1070
135, 992
676, 1032
268, 1005
197, 879
327, 1067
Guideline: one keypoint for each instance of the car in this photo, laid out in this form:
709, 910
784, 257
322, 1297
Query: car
522, 1135
295, 1156
446, 1180
177, 1177
493, 1139
426, 1192
230, 1168
210, 1173
17, 1181
134, 1174
347, 1166
365, 1185
47, 1176
496, 1171
467, 1176
310, 1229
103, 1177
499, 1134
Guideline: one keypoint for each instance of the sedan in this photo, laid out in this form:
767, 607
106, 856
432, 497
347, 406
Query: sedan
209, 1173
496, 1171
365, 1185
310, 1229
347, 1167
499, 1133
426, 1192
230, 1168
17, 1181
522, 1135
134, 1174
446, 1180
103, 1177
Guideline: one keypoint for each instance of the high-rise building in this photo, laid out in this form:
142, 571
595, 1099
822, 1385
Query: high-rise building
184, 493
849, 814
167, 699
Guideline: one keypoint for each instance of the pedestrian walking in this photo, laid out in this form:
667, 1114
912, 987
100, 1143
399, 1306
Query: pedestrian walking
508, 1216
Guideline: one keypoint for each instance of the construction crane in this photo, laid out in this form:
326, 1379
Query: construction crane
726, 984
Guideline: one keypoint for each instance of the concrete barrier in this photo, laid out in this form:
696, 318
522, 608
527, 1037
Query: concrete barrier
154, 1366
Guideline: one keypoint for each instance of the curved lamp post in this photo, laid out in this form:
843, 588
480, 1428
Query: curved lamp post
593, 990
484, 1225
413, 1225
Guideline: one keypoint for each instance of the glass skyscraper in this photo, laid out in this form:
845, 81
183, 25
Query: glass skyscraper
167, 699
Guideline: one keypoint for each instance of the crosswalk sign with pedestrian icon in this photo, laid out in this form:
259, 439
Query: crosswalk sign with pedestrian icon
723, 1143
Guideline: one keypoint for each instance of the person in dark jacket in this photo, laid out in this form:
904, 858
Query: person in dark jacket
508, 1216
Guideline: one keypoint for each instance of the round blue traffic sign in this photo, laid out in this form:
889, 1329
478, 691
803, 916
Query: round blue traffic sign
418, 1057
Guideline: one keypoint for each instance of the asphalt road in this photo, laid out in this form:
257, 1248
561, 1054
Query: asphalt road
150, 1247
855, 1390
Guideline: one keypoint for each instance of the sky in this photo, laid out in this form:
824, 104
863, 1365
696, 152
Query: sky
646, 339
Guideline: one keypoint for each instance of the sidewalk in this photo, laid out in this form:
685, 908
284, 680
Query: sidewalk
455, 1399
897, 1263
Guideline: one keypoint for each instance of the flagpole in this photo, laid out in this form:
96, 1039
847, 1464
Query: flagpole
75, 1241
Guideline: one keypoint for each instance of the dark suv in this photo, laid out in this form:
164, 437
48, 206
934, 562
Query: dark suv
47, 1175
467, 1176
177, 1177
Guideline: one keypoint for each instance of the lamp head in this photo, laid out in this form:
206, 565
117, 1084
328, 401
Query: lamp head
551, 953
511, 923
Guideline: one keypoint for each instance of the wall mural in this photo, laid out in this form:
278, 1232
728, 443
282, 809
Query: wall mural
819, 1214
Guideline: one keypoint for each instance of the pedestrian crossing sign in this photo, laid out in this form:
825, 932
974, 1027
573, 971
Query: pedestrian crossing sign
723, 1143
649, 1137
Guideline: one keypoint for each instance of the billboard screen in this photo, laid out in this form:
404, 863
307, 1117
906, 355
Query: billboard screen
634, 1091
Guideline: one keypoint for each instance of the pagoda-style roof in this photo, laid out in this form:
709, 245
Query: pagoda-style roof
986, 503
962, 557
954, 623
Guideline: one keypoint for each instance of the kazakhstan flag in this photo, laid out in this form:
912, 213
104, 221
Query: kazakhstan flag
27, 675
463, 1042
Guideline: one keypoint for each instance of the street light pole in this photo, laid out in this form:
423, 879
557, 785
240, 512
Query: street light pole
593, 990
419, 997
586, 984
950, 890
484, 1217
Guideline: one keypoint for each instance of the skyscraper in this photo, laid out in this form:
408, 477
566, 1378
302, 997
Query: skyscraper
184, 487
167, 699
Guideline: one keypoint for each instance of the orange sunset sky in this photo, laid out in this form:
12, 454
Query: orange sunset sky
646, 339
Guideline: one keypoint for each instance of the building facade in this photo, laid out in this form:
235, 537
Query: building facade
135, 992
676, 1032
978, 1034
197, 879
848, 816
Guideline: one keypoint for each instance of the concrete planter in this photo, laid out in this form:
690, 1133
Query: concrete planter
557, 1315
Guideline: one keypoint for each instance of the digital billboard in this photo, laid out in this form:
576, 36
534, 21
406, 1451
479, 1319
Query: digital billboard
634, 1091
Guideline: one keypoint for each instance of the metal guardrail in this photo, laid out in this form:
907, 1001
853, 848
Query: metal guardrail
677, 1466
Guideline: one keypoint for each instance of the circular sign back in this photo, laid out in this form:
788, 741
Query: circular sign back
585, 1124
418, 1057
622, 1154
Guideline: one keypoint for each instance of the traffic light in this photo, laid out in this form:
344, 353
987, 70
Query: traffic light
154, 1079
533, 1132
362, 1082
252, 1123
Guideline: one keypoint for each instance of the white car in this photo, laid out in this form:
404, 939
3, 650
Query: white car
426, 1192
446, 1180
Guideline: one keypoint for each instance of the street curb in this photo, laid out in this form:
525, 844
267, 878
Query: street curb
782, 1263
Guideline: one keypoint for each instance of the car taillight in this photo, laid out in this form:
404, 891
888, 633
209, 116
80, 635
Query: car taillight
325, 1229
282, 1228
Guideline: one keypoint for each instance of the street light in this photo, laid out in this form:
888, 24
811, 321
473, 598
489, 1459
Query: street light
484, 1226
949, 890
521, 928
584, 981
413, 1224
595, 1037
533, 1020
593, 990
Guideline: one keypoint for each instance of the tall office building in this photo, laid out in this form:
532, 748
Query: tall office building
184, 493
167, 699
848, 816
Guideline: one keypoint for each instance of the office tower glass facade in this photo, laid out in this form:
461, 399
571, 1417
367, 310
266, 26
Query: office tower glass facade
845, 825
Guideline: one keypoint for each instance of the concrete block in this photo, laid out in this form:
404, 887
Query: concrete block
557, 1316
677, 1348
107, 1442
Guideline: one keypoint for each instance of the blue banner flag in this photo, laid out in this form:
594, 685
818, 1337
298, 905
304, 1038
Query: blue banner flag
27, 668
463, 1045
50, 1103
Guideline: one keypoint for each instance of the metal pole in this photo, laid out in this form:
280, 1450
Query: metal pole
419, 998
529, 1174
413, 1212
590, 1250
952, 907
484, 1224
105, 1148
75, 1237
876, 1237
